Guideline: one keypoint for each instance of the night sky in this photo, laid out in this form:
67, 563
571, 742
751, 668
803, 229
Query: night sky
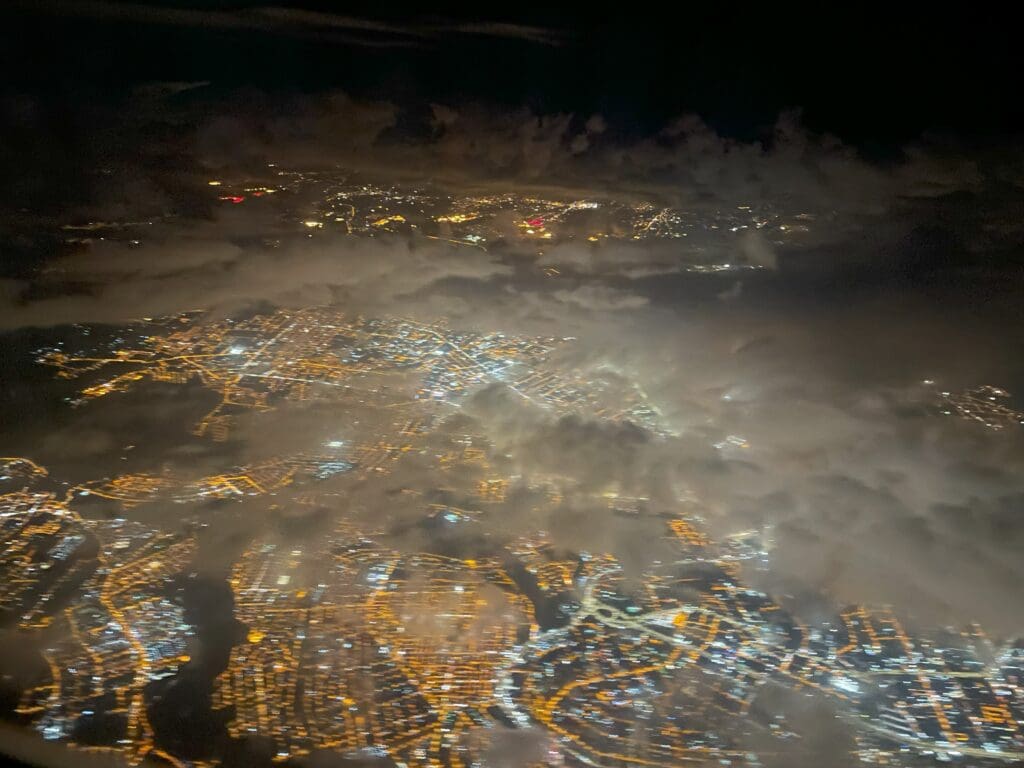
873, 76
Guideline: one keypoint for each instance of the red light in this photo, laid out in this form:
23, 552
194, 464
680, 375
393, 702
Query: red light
537, 222
236, 199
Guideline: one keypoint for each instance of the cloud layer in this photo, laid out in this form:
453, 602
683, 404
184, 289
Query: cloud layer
902, 271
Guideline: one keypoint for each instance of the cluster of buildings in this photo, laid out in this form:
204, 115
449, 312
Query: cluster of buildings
351, 645
987, 405
344, 202
93, 595
414, 642
320, 353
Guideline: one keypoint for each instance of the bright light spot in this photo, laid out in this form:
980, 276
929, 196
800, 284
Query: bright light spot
335, 443
846, 684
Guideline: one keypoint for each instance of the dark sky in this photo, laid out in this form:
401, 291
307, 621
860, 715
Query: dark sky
875, 77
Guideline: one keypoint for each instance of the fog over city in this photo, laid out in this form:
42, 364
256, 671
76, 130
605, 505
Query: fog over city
400, 425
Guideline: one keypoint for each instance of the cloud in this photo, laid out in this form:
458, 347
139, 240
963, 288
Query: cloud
114, 282
614, 261
513, 748
756, 250
522, 32
891, 273
301, 23
601, 298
